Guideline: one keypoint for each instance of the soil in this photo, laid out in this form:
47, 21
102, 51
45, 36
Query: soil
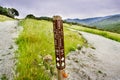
9, 31
99, 61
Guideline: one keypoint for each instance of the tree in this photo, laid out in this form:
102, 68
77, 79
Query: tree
30, 16
14, 12
10, 12
3, 11
1, 8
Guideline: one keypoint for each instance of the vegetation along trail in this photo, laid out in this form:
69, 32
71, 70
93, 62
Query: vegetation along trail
99, 61
9, 30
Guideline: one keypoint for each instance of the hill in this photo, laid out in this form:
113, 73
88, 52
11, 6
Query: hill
109, 23
112, 23
84, 21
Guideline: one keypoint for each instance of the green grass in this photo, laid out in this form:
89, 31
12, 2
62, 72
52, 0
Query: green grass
115, 27
34, 43
110, 35
4, 18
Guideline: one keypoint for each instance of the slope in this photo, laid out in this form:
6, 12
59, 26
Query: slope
109, 23
4, 18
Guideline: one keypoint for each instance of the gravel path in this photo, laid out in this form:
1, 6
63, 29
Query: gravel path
9, 31
100, 61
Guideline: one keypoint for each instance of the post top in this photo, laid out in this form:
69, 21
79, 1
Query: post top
57, 17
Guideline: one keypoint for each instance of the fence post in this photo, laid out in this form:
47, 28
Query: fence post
59, 45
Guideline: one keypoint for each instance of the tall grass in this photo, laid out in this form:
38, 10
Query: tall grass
34, 43
110, 35
4, 18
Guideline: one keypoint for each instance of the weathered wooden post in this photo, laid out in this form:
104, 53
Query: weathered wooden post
59, 45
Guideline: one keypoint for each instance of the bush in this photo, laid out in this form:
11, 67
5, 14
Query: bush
31, 16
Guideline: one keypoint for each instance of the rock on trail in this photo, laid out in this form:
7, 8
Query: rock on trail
9, 31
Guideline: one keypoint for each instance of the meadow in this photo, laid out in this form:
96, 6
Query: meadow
107, 34
37, 41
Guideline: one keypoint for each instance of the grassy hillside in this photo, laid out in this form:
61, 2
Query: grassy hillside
35, 42
108, 23
4, 18
110, 35
114, 27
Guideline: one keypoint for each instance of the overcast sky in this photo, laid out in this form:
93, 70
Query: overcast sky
65, 8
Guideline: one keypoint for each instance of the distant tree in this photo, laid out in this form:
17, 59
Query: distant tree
3, 11
45, 18
1, 8
10, 12
14, 12
30, 16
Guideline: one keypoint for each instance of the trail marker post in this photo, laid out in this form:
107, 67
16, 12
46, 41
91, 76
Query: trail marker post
59, 45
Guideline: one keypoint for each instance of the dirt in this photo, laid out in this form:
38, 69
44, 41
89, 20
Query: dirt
9, 31
99, 61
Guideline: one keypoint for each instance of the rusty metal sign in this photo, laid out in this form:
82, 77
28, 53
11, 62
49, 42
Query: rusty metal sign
59, 42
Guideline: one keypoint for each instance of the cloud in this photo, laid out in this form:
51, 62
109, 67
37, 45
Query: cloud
65, 8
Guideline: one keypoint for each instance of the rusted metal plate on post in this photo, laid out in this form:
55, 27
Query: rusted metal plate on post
59, 42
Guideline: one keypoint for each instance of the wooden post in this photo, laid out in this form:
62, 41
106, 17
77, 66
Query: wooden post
59, 45
60, 76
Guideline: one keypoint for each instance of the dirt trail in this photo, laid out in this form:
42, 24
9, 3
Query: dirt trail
100, 61
9, 31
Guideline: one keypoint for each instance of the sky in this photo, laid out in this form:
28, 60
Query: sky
65, 8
